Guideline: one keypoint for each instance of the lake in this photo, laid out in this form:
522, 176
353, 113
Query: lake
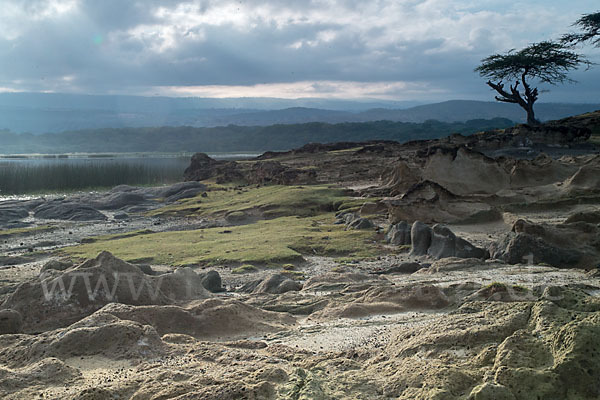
41, 173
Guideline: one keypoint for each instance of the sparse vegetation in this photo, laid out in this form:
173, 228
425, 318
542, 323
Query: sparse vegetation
269, 201
244, 269
25, 231
276, 241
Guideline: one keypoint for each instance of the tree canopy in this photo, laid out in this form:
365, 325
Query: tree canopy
549, 62
546, 62
589, 26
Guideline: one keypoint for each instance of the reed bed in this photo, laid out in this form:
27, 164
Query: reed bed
23, 177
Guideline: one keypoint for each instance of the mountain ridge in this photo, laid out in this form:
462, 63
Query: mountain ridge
82, 112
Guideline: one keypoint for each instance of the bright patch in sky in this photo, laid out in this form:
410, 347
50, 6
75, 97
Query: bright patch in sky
388, 49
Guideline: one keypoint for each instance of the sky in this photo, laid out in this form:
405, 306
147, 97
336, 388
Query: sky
412, 50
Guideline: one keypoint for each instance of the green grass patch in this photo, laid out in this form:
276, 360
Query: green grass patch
275, 241
271, 201
354, 204
244, 269
5, 233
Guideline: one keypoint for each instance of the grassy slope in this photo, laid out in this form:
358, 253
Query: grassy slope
301, 224
272, 201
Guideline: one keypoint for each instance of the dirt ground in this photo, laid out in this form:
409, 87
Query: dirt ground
328, 326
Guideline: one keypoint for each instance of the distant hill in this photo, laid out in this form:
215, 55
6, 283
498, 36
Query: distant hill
464, 110
40, 113
55, 112
232, 138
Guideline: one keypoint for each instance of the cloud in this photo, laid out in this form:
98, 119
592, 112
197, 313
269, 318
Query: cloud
426, 49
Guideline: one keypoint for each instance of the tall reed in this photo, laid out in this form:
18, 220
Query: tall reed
25, 177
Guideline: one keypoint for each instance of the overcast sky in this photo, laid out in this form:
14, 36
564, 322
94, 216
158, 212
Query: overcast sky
386, 49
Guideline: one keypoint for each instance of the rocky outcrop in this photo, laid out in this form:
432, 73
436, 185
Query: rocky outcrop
202, 167
398, 179
444, 244
568, 245
429, 202
68, 211
211, 281
565, 132
420, 237
125, 197
277, 284
502, 350
359, 224
58, 299
398, 234
465, 172
440, 242
402, 268
353, 221
312, 148
273, 172
11, 214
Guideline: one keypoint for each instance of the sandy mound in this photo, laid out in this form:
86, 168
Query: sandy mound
334, 280
58, 299
586, 179
98, 334
45, 372
213, 318
384, 300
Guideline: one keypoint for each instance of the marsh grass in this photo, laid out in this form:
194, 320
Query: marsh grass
21, 178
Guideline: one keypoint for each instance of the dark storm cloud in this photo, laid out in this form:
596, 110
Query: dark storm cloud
140, 46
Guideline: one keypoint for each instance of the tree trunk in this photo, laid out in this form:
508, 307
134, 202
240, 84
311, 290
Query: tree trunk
526, 102
531, 120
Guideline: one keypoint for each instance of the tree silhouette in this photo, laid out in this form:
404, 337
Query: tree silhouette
546, 62
590, 31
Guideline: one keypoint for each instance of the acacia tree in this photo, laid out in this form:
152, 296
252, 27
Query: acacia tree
546, 62
590, 31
